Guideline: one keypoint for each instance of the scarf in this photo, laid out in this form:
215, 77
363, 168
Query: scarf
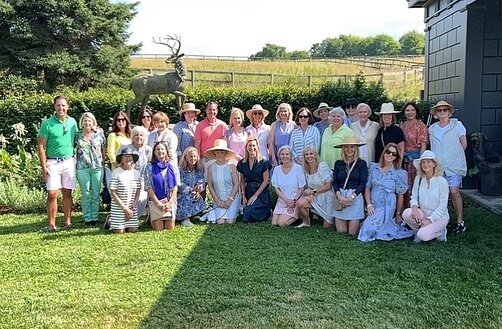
163, 185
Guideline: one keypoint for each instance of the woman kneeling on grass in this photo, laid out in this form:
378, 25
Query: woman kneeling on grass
289, 182
223, 183
349, 180
125, 186
428, 215
161, 181
384, 194
319, 195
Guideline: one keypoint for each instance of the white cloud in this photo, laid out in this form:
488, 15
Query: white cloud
243, 27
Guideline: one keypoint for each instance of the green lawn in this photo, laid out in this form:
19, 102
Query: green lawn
247, 276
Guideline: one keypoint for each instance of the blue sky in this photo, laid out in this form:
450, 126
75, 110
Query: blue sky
243, 27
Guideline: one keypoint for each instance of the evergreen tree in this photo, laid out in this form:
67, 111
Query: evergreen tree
79, 43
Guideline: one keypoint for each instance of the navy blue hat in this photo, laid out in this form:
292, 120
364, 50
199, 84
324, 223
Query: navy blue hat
127, 150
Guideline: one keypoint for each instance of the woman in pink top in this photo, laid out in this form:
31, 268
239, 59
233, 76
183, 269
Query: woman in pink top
236, 135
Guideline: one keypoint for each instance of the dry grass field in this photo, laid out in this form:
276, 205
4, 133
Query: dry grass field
401, 81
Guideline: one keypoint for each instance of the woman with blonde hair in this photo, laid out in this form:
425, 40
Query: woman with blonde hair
350, 175
428, 215
90, 145
192, 184
280, 131
385, 188
255, 175
289, 182
318, 195
236, 135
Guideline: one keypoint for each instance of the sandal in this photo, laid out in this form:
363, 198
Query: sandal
68, 226
303, 225
49, 229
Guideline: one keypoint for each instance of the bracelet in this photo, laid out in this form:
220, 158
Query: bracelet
398, 213
352, 196
369, 205
231, 198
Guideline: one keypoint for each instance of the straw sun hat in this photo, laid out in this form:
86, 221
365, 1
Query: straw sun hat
349, 140
450, 107
189, 107
322, 106
219, 145
255, 108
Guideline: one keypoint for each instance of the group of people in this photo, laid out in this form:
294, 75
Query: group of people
373, 180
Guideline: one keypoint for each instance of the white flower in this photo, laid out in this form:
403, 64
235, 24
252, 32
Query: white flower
3, 141
19, 130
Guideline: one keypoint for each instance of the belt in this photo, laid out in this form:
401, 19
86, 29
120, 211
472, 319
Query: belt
59, 159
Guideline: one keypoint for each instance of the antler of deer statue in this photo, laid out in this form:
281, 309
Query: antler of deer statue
144, 85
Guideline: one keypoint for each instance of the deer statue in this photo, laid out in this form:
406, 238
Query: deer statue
144, 85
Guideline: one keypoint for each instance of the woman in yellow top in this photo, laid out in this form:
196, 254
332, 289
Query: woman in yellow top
333, 135
120, 136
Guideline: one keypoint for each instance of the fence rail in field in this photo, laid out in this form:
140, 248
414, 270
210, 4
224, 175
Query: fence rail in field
365, 61
203, 77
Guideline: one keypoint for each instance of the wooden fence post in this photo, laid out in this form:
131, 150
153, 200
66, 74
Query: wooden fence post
232, 77
272, 79
192, 78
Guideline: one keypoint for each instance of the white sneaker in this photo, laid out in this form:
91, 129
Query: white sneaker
186, 223
442, 235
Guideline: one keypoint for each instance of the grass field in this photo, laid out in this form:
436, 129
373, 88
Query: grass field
247, 276
400, 85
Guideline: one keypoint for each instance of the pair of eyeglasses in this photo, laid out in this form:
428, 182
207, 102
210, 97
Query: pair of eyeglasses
350, 107
391, 153
303, 116
146, 116
258, 113
442, 110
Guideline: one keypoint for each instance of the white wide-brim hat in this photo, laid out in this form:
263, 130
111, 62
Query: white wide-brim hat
387, 108
450, 107
426, 155
349, 140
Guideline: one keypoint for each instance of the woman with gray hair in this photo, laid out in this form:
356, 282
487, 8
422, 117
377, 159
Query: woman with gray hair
90, 145
333, 135
138, 136
366, 131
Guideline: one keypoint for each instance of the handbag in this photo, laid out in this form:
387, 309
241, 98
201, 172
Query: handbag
157, 213
337, 204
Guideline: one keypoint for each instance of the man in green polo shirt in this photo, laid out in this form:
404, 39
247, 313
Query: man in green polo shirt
55, 149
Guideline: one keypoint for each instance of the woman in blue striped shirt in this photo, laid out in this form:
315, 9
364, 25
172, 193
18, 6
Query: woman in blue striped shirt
305, 134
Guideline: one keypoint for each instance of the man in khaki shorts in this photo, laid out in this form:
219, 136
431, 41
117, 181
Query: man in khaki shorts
55, 149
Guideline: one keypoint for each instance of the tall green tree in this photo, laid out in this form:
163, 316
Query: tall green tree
412, 43
382, 44
271, 51
80, 43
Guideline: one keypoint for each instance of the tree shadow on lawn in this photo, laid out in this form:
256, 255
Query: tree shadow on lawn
254, 275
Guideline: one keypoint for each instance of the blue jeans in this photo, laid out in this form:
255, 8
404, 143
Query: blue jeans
90, 187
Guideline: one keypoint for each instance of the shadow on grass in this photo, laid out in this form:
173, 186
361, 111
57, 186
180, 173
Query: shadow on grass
255, 275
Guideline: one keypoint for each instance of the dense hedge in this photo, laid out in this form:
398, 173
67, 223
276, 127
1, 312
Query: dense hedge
31, 109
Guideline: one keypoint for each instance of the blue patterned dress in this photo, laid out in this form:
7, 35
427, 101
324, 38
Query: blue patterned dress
384, 189
188, 205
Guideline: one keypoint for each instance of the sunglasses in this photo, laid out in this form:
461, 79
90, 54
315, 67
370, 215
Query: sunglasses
350, 107
303, 116
442, 110
391, 153
120, 119
258, 113
146, 116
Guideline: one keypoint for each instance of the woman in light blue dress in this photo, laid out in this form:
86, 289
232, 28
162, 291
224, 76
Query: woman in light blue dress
223, 184
384, 193
280, 131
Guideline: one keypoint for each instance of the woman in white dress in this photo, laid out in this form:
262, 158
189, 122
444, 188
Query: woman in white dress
289, 182
366, 131
223, 184
318, 195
